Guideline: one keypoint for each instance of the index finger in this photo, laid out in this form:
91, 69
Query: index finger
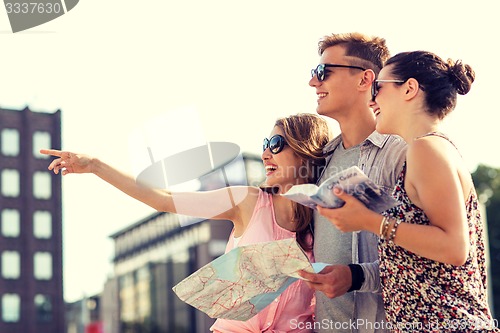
52, 152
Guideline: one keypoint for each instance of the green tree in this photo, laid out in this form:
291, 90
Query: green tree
487, 182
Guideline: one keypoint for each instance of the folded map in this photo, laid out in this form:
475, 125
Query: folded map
240, 283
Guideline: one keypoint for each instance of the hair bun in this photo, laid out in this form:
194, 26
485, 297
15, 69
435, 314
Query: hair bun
461, 76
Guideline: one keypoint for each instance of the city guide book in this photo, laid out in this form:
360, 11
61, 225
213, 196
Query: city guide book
352, 181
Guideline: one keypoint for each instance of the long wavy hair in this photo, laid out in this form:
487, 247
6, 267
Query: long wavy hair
306, 134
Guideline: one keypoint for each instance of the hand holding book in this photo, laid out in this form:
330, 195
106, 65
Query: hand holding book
351, 181
352, 216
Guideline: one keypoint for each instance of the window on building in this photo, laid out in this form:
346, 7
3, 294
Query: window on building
11, 308
43, 308
10, 142
41, 140
180, 308
128, 301
42, 185
11, 223
11, 265
10, 182
42, 262
143, 292
42, 224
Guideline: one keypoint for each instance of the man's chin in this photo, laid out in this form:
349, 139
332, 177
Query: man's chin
322, 112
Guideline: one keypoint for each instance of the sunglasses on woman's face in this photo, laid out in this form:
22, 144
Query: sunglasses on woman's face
320, 70
376, 87
275, 144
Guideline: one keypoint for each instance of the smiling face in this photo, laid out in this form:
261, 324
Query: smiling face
282, 169
388, 105
338, 91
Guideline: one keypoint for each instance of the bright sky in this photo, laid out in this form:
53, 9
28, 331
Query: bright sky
113, 67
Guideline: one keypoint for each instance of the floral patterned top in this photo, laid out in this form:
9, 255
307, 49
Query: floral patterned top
423, 295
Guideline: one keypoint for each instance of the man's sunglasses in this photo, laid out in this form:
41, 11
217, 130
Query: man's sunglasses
376, 88
320, 70
275, 144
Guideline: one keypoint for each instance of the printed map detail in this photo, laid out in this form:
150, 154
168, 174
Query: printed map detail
240, 283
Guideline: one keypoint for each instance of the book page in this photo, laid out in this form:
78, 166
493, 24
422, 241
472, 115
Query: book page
352, 181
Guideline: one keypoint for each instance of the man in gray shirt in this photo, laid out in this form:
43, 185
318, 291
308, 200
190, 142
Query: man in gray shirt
348, 295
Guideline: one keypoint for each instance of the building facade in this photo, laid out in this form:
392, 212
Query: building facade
83, 316
31, 290
154, 254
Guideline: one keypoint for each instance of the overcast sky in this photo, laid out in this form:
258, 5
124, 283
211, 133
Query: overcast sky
212, 71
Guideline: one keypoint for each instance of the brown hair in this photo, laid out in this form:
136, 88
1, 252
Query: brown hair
441, 81
367, 52
306, 134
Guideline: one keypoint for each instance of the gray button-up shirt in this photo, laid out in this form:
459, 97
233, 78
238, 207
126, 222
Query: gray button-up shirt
381, 159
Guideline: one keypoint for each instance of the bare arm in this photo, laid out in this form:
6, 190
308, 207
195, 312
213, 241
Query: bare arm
433, 183
223, 203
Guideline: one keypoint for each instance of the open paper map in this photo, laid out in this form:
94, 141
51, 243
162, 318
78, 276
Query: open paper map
240, 283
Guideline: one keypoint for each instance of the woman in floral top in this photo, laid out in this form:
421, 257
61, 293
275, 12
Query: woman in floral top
432, 263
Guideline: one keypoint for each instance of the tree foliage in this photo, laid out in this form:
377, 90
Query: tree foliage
487, 182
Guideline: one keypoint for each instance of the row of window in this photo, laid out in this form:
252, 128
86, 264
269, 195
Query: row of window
10, 220
10, 142
135, 295
11, 265
10, 184
11, 308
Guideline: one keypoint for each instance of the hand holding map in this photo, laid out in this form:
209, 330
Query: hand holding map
240, 283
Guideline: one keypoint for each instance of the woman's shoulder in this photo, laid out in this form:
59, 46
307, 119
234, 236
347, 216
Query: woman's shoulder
430, 149
432, 158
245, 197
242, 189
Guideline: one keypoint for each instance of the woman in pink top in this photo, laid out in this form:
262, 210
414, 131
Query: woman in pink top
292, 155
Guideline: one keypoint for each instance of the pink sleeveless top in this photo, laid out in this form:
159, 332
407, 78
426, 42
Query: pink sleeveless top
293, 310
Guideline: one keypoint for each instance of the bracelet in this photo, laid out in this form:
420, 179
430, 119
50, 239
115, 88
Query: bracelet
386, 220
382, 225
393, 231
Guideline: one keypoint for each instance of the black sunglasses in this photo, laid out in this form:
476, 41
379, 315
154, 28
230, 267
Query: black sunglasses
319, 71
275, 144
376, 88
